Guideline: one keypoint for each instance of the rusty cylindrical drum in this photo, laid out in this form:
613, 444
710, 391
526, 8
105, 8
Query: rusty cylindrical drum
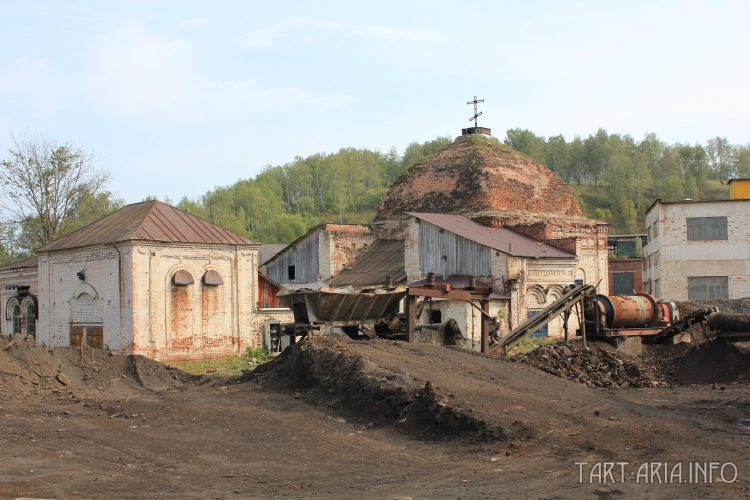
629, 311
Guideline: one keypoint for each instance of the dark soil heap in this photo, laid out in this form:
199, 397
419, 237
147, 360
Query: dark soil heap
331, 374
599, 365
478, 174
28, 369
731, 306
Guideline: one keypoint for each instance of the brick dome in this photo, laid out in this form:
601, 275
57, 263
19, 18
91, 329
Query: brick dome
475, 176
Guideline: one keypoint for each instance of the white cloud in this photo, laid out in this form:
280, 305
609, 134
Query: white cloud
265, 37
195, 22
391, 33
147, 76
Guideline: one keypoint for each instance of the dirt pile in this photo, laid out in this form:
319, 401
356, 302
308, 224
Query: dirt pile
594, 366
28, 369
599, 365
716, 362
331, 374
733, 306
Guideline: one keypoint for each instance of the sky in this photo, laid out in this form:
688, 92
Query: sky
175, 98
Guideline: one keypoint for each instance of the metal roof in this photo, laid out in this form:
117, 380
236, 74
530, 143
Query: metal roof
325, 226
269, 250
30, 263
497, 238
148, 221
384, 258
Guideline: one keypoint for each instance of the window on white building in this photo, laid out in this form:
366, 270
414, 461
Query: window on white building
708, 287
706, 228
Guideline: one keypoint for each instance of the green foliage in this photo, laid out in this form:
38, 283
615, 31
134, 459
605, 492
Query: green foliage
259, 353
221, 367
528, 344
49, 190
617, 178
282, 202
230, 366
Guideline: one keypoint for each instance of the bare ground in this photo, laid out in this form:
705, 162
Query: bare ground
337, 418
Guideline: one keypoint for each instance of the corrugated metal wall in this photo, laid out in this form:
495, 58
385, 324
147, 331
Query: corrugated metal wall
462, 256
303, 256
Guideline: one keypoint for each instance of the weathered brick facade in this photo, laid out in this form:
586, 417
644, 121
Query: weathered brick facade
321, 253
631, 267
128, 289
670, 258
18, 304
497, 187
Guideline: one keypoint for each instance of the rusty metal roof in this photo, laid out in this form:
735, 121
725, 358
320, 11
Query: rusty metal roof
384, 258
148, 221
498, 238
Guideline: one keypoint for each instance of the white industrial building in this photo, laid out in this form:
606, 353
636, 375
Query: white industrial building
698, 250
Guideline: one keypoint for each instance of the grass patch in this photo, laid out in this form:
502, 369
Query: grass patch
222, 367
527, 345
230, 366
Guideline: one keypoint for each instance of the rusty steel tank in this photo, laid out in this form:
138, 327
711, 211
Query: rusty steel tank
631, 311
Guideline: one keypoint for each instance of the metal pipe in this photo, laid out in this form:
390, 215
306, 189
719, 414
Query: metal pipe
730, 322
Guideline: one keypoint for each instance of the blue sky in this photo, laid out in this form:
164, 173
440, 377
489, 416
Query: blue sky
176, 97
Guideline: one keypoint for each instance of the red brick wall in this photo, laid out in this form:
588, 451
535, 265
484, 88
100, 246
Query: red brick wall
634, 266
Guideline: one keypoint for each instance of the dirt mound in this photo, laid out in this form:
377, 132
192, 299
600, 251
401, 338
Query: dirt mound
331, 374
733, 306
716, 362
594, 366
599, 365
27, 368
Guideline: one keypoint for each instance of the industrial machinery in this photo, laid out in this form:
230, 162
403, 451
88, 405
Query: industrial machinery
733, 327
354, 313
628, 315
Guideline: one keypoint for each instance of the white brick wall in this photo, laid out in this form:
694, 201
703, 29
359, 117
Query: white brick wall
155, 318
66, 300
9, 280
670, 258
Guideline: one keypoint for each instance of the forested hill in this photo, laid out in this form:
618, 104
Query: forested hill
615, 177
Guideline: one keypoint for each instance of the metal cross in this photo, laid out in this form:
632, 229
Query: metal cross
476, 115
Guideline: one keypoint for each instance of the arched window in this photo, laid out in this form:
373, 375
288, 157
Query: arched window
212, 278
15, 314
31, 319
182, 278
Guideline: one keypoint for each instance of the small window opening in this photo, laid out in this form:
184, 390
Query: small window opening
436, 316
290, 272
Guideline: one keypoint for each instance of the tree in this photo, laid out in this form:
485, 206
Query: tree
46, 186
527, 143
722, 158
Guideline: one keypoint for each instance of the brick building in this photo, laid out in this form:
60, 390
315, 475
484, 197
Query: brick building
319, 254
626, 263
503, 197
151, 279
698, 249
18, 298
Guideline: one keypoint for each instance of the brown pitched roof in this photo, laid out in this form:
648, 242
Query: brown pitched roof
147, 221
497, 238
384, 258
